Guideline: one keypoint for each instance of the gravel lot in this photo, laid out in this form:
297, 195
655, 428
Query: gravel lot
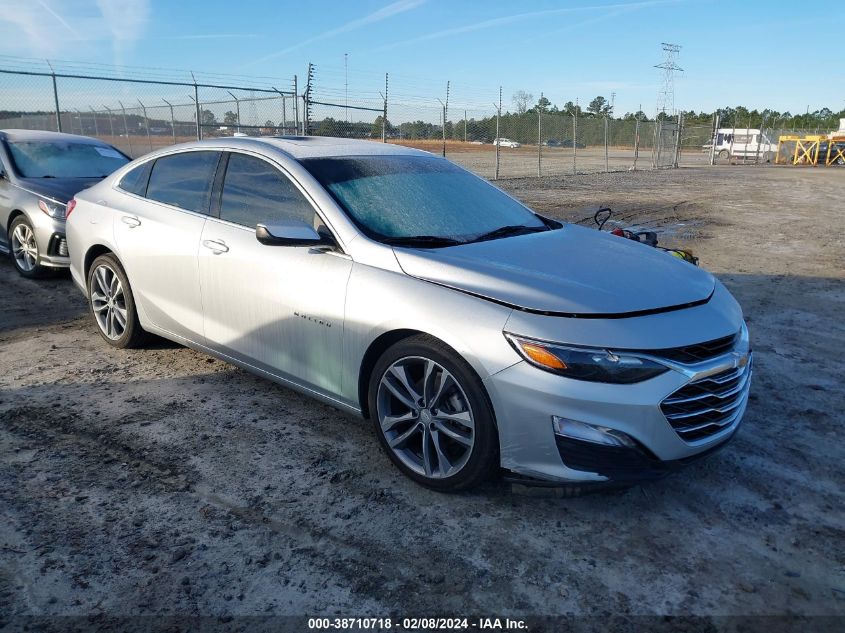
162, 481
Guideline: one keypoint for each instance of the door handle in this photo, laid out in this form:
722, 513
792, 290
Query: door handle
216, 246
130, 221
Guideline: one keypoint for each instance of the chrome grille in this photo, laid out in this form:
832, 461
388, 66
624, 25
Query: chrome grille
708, 405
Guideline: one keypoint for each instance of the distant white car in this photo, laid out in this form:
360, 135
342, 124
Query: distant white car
505, 142
743, 143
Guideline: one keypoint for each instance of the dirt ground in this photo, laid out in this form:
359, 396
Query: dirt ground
162, 481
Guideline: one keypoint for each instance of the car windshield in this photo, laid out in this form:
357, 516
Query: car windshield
64, 159
406, 198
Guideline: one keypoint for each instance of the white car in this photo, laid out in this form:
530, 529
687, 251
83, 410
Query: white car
505, 142
393, 284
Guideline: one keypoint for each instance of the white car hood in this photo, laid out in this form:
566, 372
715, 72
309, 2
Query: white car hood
573, 271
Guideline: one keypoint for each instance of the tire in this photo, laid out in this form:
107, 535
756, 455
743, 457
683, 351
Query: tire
432, 415
724, 154
23, 249
112, 304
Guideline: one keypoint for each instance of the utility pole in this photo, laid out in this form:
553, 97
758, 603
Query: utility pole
540, 137
384, 112
498, 116
146, 125
56, 98
94, 114
111, 122
238, 111
172, 121
126, 127
346, 84
295, 106
575, 139
306, 125
443, 127
197, 106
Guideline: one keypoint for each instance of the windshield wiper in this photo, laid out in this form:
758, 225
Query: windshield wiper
422, 240
506, 231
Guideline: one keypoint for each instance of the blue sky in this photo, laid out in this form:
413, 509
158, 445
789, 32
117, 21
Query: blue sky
749, 52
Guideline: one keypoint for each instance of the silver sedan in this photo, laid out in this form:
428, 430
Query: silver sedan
39, 172
390, 283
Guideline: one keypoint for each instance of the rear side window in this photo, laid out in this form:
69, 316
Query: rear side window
135, 180
184, 180
256, 192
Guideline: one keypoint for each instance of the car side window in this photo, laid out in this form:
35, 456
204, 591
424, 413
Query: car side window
255, 192
184, 180
135, 180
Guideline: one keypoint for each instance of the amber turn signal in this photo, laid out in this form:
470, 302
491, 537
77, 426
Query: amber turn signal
541, 356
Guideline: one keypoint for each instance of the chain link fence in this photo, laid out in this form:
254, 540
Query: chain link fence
138, 115
142, 111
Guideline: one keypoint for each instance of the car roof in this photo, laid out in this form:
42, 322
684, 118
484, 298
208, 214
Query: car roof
300, 147
41, 135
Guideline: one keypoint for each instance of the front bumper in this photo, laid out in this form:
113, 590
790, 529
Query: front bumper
50, 237
56, 255
525, 399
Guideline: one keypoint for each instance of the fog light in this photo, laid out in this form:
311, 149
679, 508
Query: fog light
63, 247
590, 433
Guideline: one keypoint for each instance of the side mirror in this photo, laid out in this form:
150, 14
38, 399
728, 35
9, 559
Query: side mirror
290, 233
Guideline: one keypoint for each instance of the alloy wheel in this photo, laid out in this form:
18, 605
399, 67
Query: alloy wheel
108, 302
425, 417
24, 247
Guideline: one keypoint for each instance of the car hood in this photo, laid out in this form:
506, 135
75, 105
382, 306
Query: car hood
573, 271
60, 189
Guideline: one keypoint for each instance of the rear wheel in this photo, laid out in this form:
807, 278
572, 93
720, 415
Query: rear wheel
112, 304
432, 415
24, 248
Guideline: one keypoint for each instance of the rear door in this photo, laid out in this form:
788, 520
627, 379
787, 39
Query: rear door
158, 234
5, 200
277, 308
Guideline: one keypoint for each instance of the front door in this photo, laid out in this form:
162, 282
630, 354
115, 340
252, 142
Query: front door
275, 307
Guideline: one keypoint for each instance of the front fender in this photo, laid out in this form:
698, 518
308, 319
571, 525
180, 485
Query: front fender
380, 301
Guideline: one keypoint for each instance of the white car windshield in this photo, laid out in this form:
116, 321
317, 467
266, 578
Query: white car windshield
395, 198
64, 159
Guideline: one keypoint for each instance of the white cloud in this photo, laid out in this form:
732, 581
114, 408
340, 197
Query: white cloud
126, 20
612, 11
401, 6
52, 28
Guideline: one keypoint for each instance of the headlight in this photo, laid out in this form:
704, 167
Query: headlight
581, 363
53, 209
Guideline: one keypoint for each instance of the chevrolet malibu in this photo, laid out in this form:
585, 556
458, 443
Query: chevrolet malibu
476, 334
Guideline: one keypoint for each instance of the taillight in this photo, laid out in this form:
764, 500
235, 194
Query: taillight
71, 205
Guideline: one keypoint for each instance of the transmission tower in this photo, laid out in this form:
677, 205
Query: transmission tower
666, 96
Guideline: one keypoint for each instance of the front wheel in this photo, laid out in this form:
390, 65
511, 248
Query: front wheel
432, 415
113, 305
24, 248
